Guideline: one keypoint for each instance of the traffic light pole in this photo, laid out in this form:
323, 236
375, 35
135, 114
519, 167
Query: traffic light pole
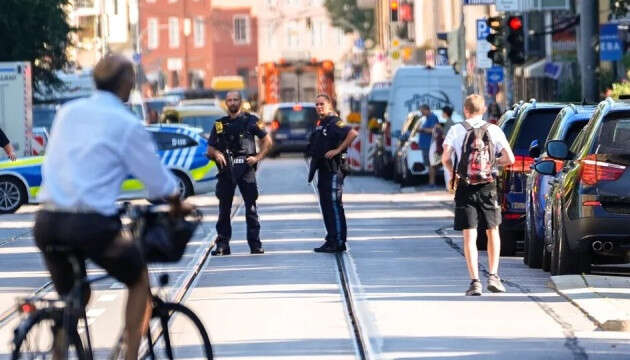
589, 20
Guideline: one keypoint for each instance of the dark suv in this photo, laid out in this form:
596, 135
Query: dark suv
591, 202
533, 123
568, 123
291, 127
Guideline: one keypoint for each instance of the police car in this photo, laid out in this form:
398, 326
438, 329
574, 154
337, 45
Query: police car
181, 148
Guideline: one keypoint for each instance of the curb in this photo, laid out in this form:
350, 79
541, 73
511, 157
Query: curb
604, 299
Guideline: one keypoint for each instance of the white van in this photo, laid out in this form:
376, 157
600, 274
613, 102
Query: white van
413, 86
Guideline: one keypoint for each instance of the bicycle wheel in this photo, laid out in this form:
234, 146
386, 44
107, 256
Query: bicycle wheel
179, 324
33, 338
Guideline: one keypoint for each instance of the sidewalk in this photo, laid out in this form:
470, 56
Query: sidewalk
604, 299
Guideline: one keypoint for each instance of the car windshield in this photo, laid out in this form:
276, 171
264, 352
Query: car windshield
205, 122
614, 137
296, 117
536, 125
376, 109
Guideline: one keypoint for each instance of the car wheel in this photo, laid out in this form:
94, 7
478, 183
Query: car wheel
508, 242
567, 261
183, 184
526, 243
546, 259
533, 245
12, 195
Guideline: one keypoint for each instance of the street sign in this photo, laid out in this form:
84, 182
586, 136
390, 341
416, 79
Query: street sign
508, 5
610, 48
494, 75
483, 46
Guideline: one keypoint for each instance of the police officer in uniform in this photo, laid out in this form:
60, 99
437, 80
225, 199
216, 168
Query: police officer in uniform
327, 146
232, 146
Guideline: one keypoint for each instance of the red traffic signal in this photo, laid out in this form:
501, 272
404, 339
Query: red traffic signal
515, 23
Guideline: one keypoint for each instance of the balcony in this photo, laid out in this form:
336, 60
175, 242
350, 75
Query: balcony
85, 8
82, 4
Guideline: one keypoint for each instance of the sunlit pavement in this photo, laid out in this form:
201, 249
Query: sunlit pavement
407, 278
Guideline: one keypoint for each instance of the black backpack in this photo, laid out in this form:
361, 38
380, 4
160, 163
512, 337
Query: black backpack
476, 165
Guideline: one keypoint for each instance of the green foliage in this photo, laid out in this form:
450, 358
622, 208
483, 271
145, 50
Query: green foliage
346, 15
36, 31
622, 88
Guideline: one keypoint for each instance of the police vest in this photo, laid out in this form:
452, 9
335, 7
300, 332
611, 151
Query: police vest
235, 135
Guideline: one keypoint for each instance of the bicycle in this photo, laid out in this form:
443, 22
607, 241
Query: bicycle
65, 319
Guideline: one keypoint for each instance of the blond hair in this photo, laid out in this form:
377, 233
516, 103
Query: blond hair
474, 104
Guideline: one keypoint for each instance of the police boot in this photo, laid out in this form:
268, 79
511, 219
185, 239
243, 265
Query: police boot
328, 247
220, 249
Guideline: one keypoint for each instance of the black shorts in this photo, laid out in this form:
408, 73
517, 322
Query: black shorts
476, 205
92, 236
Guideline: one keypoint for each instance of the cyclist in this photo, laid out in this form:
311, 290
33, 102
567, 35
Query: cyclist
95, 144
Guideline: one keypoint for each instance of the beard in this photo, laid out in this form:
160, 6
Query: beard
233, 109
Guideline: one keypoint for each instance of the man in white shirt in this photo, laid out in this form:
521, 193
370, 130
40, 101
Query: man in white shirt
477, 202
95, 143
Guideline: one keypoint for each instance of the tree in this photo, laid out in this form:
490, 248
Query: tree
36, 31
346, 15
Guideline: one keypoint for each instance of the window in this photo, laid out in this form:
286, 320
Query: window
241, 29
153, 32
168, 141
317, 33
199, 32
173, 32
269, 39
150, 1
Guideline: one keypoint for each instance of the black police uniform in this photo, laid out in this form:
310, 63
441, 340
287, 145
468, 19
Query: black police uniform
329, 133
235, 139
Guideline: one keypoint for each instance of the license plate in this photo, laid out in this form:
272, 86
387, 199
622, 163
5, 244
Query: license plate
298, 131
518, 205
281, 136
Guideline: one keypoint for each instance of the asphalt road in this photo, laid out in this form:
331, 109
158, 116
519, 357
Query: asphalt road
406, 274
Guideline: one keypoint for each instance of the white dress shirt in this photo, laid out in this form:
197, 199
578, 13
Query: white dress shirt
456, 134
95, 144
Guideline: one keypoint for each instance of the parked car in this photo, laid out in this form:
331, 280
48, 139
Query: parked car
566, 127
405, 135
44, 114
201, 117
292, 126
181, 148
533, 122
158, 104
590, 219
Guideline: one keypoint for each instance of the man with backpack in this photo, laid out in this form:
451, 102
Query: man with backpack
475, 144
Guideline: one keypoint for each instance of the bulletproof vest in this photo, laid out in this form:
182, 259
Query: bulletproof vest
322, 140
236, 136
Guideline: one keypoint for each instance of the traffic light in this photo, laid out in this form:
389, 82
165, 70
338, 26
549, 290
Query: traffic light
393, 7
515, 40
496, 38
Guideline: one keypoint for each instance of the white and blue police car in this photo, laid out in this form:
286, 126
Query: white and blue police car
181, 148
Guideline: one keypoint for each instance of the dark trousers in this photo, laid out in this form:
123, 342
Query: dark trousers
245, 179
330, 188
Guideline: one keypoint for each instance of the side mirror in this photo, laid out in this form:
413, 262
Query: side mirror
557, 149
546, 167
534, 149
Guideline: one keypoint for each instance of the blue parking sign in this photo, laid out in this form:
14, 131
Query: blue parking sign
494, 75
610, 48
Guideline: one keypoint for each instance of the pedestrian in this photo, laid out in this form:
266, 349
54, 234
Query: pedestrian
6, 145
426, 135
85, 163
447, 115
327, 144
232, 146
475, 143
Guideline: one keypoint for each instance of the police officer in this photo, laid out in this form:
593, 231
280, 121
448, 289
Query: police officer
233, 148
327, 145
